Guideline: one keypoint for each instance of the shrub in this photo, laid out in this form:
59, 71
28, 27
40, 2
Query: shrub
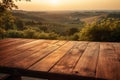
44, 35
2, 33
75, 37
61, 38
104, 30
53, 35
15, 34
30, 33
72, 31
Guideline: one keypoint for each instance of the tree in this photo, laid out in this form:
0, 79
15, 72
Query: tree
6, 5
105, 30
72, 31
7, 21
20, 24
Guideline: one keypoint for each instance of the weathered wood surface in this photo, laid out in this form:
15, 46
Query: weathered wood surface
60, 60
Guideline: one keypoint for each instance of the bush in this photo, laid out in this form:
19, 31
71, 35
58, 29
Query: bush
72, 31
2, 33
30, 33
53, 35
75, 37
61, 38
104, 30
7, 21
15, 34
44, 35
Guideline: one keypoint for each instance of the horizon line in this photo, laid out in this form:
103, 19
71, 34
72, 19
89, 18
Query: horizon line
63, 10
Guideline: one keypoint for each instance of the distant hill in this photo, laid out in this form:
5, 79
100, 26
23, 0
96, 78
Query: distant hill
63, 17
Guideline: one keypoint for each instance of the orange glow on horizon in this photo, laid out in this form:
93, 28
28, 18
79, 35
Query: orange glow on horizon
49, 5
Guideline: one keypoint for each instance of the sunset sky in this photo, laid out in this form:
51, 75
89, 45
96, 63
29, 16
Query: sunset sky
52, 5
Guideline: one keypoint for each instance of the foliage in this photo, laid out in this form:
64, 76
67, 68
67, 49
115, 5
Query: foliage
104, 30
72, 31
15, 34
2, 33
114, 15
7, 5
53, 35
30, 33
75, 37
7, 21
19, 23
107, 29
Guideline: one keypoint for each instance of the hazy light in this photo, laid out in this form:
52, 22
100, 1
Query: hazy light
44, 5
54, 2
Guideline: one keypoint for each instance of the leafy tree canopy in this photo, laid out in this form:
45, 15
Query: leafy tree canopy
8, 5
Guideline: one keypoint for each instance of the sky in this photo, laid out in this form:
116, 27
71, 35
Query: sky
53, 5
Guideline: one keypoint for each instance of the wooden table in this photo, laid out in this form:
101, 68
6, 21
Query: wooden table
60, 60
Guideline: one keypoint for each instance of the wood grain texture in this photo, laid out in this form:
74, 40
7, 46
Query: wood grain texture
11, 42
7, 40
107, 63
60, 60
117, 51
49, 61
31, 59
11, 61
86, 66
12, 47
68, 62
19, 49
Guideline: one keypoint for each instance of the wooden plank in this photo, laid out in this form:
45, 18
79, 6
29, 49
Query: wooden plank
46, 44
26, 63
12, 42
20, 56
13, 61
7, 40
12, 47
48, 62
20, 49
117, 51
68, 62
86, 66
107, 63
51, 58
29, 45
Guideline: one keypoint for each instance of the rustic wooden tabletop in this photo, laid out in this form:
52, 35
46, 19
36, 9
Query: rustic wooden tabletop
60, 60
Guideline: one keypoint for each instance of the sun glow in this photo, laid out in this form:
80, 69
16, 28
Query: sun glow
44, 5
54, 2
